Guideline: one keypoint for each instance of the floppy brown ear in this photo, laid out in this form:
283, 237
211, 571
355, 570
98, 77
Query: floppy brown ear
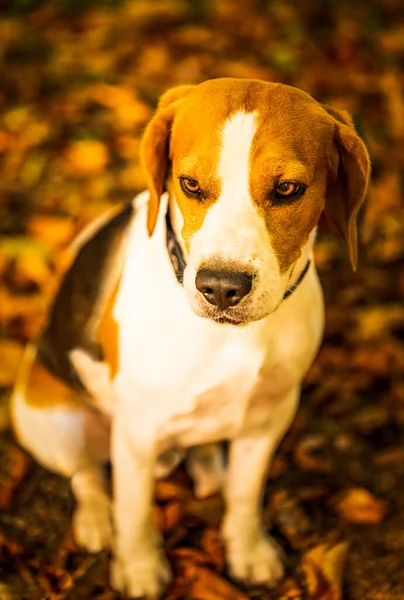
154, 148
347, 182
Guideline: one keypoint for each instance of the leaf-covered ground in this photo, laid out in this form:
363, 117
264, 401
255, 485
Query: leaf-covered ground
79, 80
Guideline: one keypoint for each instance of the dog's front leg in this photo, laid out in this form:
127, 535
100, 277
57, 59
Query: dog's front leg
139, 567
252, 555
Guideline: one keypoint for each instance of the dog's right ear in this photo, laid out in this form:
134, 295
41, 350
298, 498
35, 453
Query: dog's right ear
155, 148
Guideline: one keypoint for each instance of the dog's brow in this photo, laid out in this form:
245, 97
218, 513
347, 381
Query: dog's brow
188, 164
286, 169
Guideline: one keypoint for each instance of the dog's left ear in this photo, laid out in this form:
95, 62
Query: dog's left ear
155, 146
348, 178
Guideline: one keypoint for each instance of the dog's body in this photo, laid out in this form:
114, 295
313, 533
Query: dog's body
169, 368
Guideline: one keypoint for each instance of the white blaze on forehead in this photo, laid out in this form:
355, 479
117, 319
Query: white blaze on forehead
233, 235
232, 230
234, 161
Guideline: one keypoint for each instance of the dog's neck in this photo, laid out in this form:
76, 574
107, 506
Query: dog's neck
176, 251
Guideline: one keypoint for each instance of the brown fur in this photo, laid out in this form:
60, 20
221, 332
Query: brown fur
44, 390
108, 335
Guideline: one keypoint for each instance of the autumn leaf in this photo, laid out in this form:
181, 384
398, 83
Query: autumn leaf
323, 567
357, 505
86, 157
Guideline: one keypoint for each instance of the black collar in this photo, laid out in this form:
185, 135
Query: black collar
178, 262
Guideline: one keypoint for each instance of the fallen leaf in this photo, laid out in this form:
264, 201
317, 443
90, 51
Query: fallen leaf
357, 505
393, 457
208, 510
87, 157
277, 467
184, 555
286, 512
173, 513
30, 268
374, 321
16, 468
51, 230
323, 567
7, 592
208, 585
211, 543
290, 589
304, 454
170, 489
158, 517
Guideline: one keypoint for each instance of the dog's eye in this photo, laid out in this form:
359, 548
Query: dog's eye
190, 187
288, 190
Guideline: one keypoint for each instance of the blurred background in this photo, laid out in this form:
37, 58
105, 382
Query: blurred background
79, 79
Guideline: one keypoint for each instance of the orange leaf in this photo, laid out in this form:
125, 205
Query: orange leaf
323, 567
211, 543
357, 505
208, 585
87, 157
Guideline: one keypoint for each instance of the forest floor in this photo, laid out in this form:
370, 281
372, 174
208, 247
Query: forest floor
78, 86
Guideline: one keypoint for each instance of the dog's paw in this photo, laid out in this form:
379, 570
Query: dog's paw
92, 528
257, 560
141, 574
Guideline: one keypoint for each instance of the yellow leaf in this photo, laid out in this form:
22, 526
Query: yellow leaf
323, 567
357, 505
87, 157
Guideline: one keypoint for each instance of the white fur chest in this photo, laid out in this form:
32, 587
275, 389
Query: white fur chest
187, 379
191, 378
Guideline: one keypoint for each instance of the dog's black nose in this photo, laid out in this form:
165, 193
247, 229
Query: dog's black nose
223, 288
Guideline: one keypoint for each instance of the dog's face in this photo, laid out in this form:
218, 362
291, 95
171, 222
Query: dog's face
251, 167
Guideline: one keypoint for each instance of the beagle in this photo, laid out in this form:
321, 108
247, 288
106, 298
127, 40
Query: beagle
191, 316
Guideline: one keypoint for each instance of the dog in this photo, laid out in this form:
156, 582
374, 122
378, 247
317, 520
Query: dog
190, 317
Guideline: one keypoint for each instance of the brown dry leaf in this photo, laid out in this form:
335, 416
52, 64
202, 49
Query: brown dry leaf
290, 589
17, 466
30, 309
211, 543
393, 457
7, 592
304, 454
166, 490
158, 517
323, 567
209, 510
10, 359
277, 467
208, 585
173, 513
31, 268
357, 505
86, 157
372, 322
51, 230
285, 510
184, 556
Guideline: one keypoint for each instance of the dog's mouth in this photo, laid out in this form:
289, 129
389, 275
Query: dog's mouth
224, 319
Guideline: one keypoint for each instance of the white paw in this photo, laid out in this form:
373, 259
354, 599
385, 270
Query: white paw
92, 527
255, 560
141, 574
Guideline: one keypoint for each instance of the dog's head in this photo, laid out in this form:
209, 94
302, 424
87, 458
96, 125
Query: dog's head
251, 168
